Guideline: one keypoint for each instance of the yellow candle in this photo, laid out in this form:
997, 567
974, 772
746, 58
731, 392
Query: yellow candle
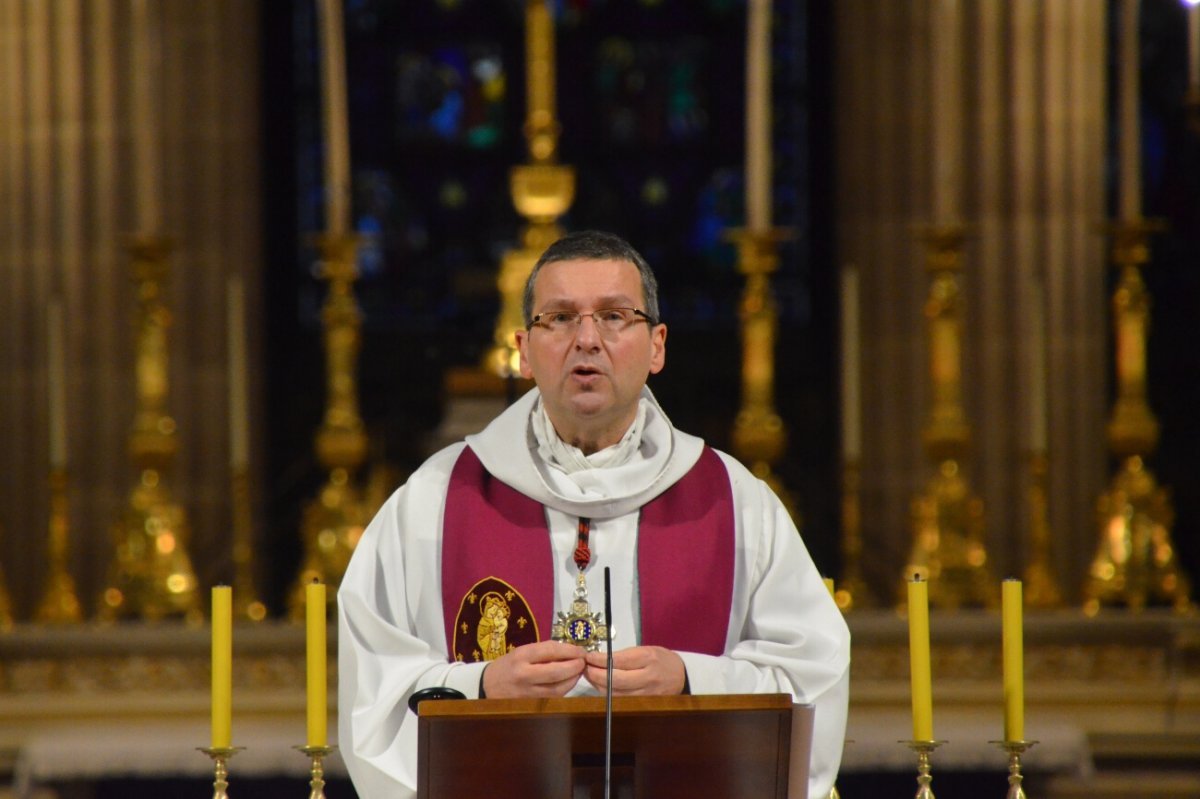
1014, 669
222, 666
918, 653
829, 584
314, 595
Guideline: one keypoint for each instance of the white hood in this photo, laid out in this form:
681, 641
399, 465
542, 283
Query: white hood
664, 456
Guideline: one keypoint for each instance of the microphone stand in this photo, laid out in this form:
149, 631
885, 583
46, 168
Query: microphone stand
608, 688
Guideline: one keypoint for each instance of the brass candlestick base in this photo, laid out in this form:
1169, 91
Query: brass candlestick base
1041, 586
948, 548
1015, 749
924, 768
1135, 564
246, 602
60, 603
316, 782
219, 756
852, 591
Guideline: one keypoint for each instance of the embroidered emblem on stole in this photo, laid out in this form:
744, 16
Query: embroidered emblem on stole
492, 619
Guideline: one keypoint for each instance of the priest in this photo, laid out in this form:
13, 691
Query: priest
484, 572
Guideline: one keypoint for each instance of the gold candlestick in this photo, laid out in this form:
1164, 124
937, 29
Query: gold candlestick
316, 782
246, 601
220, 757
1015, 749
852, 592
1135, 562
759, 434
924, 750
948, 548
1041, 586
542, 190
334, 521
60, 604
151, 576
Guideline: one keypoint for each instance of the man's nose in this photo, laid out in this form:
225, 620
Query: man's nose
587, 335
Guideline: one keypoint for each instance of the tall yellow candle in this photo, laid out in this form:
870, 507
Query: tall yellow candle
314, 595
1194, 46
1014, 661
222, 666
758, 115
918, 653
239, 433
334, 116
56, 385
851, 368
147, 66
1129, 133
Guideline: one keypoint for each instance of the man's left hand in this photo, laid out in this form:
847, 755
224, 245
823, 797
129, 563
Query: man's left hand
644, 670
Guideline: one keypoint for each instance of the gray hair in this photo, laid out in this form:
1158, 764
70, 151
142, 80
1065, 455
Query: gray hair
594, 245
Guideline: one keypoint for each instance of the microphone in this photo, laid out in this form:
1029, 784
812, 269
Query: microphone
608, 688
437, 692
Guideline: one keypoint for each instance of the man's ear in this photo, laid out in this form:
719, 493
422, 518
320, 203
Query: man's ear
658, 348
522, 337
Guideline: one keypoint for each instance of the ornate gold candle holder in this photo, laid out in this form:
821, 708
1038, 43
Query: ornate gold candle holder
316, 783
924, 767
220, 755
1015, 749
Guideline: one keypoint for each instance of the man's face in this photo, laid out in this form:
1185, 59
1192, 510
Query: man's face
590, 382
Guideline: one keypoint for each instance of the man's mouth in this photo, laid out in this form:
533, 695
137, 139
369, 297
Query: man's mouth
585, 371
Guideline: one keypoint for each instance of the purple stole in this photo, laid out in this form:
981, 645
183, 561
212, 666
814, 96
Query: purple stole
495, 542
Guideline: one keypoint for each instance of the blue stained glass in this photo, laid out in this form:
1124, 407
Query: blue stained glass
455, 94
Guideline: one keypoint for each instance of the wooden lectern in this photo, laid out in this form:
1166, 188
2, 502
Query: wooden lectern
728, 746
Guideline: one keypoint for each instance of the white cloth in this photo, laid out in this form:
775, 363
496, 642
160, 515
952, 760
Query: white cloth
785, 634
570, 458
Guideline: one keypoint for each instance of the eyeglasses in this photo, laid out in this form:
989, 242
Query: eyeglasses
609, 321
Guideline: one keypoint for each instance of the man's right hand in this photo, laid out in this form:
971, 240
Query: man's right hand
544, 669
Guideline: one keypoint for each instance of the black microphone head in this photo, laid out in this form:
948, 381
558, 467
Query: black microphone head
437, 692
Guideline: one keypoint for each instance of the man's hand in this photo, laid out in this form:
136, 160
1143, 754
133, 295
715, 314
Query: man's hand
646, 670
544, 669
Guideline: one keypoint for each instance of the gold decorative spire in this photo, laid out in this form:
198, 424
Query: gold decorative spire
542, 190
